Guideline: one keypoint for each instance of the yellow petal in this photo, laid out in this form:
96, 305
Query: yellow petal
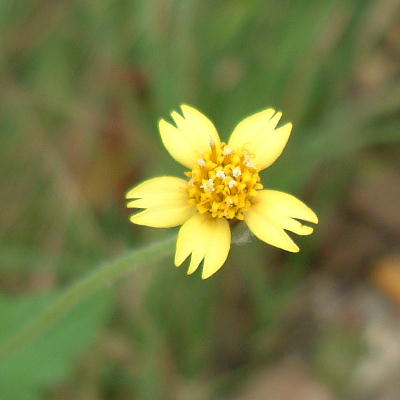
162, 218
199, 125
166, 202
285, 204
205, 238
190, 138
250, 127
273, 212
294, 226
160, 185
270, 147
177, 145
257, 134
268, 232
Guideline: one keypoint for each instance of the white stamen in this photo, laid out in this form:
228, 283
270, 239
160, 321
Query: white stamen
250, 164
220, 174
236, 172
232, 183
209, 186
201, 162
227, 151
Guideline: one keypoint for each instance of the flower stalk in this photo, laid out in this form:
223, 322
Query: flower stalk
105, 275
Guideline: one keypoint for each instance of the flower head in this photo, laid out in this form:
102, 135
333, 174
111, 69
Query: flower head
223, 186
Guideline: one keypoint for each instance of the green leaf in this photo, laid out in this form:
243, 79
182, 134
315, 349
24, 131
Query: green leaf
49, 359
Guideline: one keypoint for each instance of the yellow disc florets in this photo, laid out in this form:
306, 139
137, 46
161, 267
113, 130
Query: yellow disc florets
224, 182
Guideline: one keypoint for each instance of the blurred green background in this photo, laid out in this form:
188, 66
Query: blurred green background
83, 84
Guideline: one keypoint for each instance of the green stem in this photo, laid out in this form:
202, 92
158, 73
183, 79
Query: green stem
100, 277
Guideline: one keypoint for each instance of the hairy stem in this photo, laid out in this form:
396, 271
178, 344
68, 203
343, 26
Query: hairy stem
100, 277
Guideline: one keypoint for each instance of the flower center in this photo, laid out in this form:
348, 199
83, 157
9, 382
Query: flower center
224, 182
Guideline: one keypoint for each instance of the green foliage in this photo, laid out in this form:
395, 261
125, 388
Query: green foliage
83, 84
336, 356
50, 358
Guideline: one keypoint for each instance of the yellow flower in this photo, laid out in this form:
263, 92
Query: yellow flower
223, 187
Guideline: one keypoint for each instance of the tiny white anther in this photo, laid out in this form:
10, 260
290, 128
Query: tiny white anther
212, 142
232, 183
201, 162
236, 172
227, 151
208, 186
220, 174
249, 164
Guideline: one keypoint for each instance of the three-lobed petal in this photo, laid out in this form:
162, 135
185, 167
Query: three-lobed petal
165, 200
204, 238
273, 213
259, 136
190, 138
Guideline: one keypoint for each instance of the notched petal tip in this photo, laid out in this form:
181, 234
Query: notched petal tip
185, 108
189, 137
309, 216
291, 249
130, 194
136, 191
165, 202
132, 204
285, 129
136, 218
276, 118
204, 240
178, 260
261, 137
305, 230
205, 276
133, 193
313, 217
162, 123
177, 118
188, 111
